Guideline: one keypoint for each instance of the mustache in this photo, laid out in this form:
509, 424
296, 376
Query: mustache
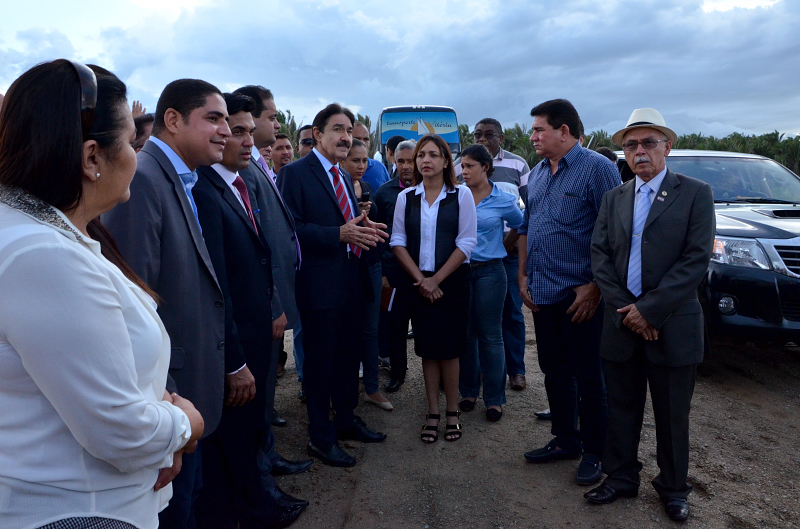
343, 144
641, 158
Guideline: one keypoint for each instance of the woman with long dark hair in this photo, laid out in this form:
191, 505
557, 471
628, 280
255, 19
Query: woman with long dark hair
434, 233
88, 435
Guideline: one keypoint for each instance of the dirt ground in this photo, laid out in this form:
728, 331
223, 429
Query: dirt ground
745, 462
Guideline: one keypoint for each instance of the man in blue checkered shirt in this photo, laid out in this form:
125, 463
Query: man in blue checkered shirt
556, 282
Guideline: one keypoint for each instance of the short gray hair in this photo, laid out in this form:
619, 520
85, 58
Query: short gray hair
407, 145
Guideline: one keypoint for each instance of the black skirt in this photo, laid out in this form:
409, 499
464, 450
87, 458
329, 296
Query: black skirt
440, 328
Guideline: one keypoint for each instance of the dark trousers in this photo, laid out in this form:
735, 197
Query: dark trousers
569, 357
186, 488
272, 377
333, 344
671, 390
513, 320
393, 326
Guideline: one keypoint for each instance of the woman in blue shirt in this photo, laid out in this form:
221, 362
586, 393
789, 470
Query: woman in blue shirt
487, 277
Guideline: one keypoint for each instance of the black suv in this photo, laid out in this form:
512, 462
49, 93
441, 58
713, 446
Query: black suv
752, 288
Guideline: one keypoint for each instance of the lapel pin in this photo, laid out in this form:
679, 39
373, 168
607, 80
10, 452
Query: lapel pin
664, 193
660, 199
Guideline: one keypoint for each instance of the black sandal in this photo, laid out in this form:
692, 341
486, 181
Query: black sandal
453, 429
425, 435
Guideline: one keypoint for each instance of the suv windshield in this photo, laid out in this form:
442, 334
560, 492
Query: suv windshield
741, 179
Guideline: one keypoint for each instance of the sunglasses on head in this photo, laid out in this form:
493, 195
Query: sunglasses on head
88, 96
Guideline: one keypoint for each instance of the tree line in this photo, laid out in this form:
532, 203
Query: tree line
775, 145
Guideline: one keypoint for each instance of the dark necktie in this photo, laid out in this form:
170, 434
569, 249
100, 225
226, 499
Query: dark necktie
344, 204
239, 185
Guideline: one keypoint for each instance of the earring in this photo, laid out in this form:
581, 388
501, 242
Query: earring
98, 175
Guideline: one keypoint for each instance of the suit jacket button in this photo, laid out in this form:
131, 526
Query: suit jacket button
263, 261
218, 303
221, 346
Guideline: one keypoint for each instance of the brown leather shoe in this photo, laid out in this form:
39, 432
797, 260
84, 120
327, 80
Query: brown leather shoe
518, 382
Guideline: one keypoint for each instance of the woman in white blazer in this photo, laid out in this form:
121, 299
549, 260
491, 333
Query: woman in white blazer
88, 434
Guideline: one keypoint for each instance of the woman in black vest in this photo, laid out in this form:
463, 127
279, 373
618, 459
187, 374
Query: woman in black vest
434, 233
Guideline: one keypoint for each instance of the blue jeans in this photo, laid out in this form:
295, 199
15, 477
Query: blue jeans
371, 317
297, 333
485, 336
513, 320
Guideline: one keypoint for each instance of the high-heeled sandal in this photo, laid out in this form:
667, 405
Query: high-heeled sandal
453, 429
425, 435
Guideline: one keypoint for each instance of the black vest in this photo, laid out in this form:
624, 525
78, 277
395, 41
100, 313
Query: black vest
446, 226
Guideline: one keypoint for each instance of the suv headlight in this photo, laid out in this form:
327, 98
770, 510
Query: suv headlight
740, 252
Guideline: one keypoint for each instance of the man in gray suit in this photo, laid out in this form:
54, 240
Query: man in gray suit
158, 234
650, 248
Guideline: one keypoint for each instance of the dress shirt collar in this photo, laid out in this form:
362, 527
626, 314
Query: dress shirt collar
419, 189
570, 158
178, 164
654, 184
254, 154
326, 164
225, 173
500, 154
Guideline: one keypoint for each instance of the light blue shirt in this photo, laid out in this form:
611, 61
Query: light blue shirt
326, 165
376, 174
654, 184
187, 176
499, 206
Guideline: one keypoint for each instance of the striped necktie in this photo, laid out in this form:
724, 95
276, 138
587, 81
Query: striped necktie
344, 204
635, 259
242, 189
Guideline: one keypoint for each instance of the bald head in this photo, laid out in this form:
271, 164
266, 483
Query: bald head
361, 132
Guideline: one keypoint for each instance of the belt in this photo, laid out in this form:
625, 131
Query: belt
350, 255
478, 264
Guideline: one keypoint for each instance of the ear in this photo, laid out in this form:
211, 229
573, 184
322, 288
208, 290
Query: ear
316, 133
171, 120
564, 131
90, 160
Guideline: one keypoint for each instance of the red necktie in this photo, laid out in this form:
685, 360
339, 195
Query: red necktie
239, 185
344, 204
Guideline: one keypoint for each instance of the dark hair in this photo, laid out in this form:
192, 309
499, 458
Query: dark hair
281, 136
41, 140
301, 129
322, 117
393, 142
141, 121
357, 143
560, 112
448, 173
608, 153
480, 154
493, 122
183, 96
238, 103
258, 94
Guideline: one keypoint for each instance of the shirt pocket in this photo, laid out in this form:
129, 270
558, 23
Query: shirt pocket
568, 207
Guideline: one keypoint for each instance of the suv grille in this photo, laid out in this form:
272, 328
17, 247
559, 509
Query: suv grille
791, 257
791, 311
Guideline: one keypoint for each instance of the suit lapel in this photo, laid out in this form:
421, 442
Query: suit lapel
319, 172
257, 170
186, 206
625, 207
665, 196
228, 196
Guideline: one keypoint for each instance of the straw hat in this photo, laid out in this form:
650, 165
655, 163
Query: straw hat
645, 118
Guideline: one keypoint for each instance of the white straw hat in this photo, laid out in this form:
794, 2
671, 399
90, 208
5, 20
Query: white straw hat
645, 118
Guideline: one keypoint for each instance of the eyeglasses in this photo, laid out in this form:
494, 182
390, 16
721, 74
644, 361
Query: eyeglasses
306, 141
88, 96
648, 144
488, 135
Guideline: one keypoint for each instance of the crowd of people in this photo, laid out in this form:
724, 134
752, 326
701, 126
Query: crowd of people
150, 267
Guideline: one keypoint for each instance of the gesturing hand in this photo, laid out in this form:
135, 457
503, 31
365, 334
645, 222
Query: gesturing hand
241, 387
365, 237
137, 109
637, 323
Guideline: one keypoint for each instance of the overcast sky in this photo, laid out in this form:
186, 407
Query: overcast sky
709, 66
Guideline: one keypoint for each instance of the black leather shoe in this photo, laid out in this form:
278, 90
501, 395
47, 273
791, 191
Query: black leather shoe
590, 471
606, 494
277, 420
550, 452
677, 509
394, 385
283, 467
493, 414
286, 516
285, 500
358, 431
543, 415
334, 457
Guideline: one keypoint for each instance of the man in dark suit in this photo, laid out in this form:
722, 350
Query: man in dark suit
332, 283
233, 491
650, 248
158, 234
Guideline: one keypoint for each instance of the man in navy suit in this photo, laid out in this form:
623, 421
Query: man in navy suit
332, 283
234, 492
